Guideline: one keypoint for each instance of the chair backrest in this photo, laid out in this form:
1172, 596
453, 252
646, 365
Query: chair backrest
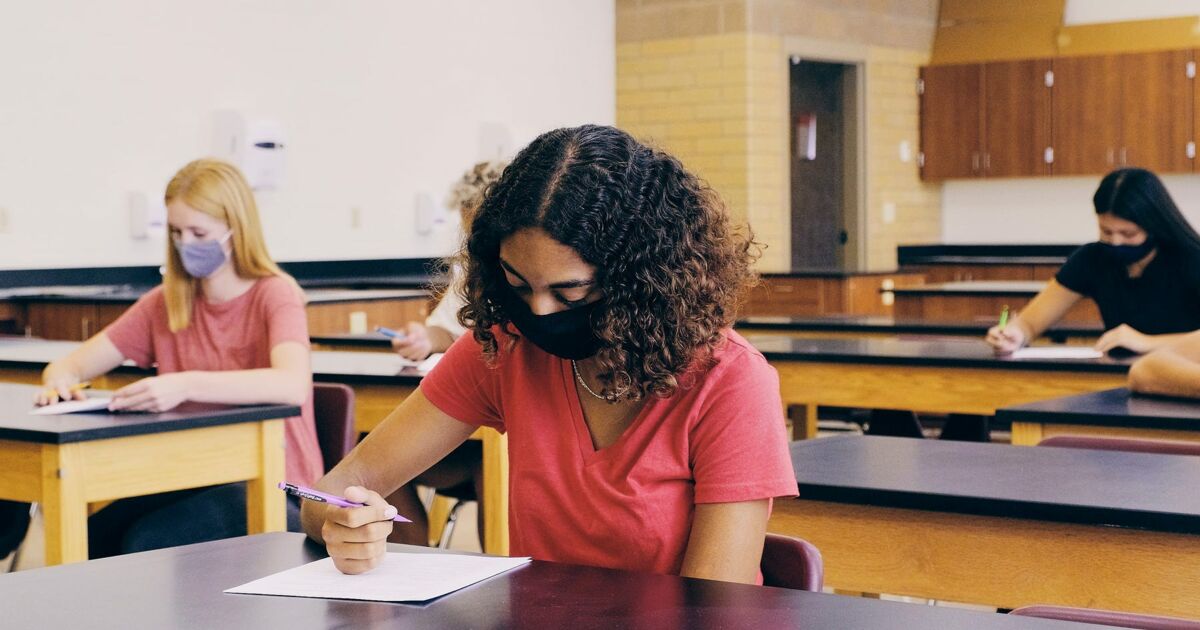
333, 408
1162, 447
1107, 618
792, 563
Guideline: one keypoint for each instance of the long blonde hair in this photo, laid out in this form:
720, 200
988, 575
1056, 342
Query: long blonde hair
218, 189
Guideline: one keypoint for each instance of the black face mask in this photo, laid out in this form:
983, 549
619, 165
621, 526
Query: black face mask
567, 334
1129, 254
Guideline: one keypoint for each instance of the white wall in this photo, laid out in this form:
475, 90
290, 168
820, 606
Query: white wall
379, 99
1044, 210
1096, 11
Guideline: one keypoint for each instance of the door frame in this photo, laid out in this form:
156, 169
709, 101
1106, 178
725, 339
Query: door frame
853, 255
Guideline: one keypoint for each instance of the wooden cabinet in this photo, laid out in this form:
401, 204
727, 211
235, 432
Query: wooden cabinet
985, 120
803, 296
70, 321
951, 121
1094, 113
334, 318
1016, 114
967, 272
1156, 111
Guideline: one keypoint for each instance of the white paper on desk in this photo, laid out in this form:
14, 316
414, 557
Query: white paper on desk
428, 364
1069, 352
401, 577
72, 406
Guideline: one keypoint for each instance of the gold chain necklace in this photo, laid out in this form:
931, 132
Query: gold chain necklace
579, 377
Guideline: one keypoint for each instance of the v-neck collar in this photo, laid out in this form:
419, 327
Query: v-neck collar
583, 436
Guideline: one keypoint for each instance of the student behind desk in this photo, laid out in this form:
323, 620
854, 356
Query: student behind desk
226, 326
644, 433
465, 464
1144, 273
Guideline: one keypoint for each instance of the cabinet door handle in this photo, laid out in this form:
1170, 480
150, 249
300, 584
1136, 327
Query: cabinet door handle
987, 162
1124, 156
84, 325
1110, 156
974, 161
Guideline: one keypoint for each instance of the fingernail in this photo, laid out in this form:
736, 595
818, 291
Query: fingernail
389, 511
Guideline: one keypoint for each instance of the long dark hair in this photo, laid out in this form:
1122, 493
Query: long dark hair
670, 270
1137, 195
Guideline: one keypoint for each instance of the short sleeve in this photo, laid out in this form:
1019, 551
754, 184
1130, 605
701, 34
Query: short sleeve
133, 332
1080, 271
739, 444
464, 387
283, 305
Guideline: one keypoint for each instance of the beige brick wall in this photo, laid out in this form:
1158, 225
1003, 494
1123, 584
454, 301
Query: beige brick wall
708, 81
892, 119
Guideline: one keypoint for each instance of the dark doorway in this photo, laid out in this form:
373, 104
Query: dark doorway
822, 147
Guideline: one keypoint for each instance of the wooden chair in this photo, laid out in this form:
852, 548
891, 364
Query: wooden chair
792, 563
333, 411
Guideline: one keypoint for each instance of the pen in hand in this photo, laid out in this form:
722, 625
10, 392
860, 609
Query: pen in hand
321, 497
389, 333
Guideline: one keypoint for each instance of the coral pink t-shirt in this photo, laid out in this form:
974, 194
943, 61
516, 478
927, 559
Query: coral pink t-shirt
630, 505
233, 335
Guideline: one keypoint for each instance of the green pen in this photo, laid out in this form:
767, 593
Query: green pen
1003, 317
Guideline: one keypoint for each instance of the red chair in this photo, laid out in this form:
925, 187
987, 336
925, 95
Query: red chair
792, 563
1107, 618
333, 411
1162, 447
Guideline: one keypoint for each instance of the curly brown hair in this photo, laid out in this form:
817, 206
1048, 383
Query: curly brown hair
670, 269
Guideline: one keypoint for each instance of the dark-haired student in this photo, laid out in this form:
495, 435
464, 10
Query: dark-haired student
1143, 273
601, 280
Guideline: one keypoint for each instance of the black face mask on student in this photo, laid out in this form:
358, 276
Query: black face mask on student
566, 334
1129, 254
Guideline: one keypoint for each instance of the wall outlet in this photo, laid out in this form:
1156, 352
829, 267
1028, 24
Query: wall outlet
889, 212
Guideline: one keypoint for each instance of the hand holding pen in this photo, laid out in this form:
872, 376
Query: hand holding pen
355, 536
1006, 337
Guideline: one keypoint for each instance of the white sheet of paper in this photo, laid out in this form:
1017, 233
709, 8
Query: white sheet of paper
401, 577
1069, 352
427, 365
72, 406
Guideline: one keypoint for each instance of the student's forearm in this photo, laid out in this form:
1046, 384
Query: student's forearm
266, 385
1162, 341
1166, 373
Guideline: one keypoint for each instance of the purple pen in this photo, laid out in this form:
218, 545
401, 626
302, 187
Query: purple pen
321, 497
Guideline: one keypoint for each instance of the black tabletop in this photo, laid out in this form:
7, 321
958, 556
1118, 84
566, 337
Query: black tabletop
966, 353
1112, 407
16, 423
1014, 288
182, 588
882, 324
363, 340
1139, 490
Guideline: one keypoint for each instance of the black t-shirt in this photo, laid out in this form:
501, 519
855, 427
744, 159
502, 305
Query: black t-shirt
1164, 299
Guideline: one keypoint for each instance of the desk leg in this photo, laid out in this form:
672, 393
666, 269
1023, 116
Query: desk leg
1026, 433
808, 430
265, 510
64, 509
495, 493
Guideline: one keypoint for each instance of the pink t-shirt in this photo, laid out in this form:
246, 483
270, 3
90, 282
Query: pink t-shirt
629, 505
234, 335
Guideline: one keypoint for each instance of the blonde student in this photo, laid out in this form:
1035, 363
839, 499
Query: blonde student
601, 281
227, 325
1143, 273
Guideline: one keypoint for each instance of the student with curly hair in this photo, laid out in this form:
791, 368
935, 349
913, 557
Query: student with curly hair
601, 282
